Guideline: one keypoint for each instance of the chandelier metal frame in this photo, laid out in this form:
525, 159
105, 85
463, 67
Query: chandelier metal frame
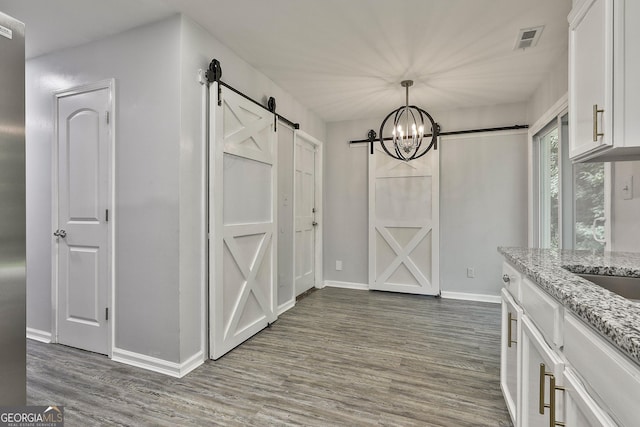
407, 143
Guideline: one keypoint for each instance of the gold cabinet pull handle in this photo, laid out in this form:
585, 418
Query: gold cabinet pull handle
552, 402
509, 330
552, 396
596, 133
541, 404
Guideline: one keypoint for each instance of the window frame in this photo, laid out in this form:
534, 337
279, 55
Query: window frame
566, 206
539, 195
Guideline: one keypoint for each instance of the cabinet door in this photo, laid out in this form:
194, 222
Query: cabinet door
510, 354
540, 367
611, 376
626, 69
591, 77
580, 409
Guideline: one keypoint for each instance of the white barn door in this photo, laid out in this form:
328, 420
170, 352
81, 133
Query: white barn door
242, 209
403, 224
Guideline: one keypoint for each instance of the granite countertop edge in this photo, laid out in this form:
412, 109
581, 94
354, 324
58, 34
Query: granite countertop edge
616, 318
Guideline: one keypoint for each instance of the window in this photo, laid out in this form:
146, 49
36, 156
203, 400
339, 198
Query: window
569, 199
589, 182
549, 188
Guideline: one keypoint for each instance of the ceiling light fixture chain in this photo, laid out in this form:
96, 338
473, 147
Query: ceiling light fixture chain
408, 131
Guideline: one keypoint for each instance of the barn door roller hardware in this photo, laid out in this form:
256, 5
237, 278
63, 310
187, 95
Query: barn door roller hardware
214, 74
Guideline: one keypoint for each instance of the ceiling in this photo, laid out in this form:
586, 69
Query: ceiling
344, 59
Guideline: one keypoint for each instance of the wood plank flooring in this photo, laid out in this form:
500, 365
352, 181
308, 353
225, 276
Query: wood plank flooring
339, 358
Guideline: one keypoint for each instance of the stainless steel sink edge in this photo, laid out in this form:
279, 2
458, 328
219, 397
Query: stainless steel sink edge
627, 287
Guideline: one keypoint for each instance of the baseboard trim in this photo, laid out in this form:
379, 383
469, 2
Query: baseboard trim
38, 335
191, 363
286, 306
346, 285
495, 299
177, 370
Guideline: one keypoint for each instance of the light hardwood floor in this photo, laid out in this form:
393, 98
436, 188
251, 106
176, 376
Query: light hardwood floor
340, 357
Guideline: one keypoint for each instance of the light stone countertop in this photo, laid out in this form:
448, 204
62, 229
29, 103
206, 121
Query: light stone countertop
616, 318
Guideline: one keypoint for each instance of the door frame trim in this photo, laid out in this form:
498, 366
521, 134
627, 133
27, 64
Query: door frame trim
318, 190
109, 84
291, 302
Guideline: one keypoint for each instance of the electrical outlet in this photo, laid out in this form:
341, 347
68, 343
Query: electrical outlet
338, 265
471, 272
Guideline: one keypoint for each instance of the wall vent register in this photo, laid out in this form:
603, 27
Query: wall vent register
528, 37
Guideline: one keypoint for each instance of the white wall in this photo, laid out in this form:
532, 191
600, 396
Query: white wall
144, 63
193, 161
625, 230
346, 202
199, 48
552, 88
483, 192
500, 162
160, 171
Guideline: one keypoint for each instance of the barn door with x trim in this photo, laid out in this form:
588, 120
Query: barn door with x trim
242, 241
403, 224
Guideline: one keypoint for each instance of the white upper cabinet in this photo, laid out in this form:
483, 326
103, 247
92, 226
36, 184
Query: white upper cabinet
590, 77
604, 97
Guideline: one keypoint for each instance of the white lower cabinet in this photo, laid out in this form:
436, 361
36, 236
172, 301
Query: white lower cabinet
541, 378
543, 310
580, 408
555, 370
612, 380
510, 353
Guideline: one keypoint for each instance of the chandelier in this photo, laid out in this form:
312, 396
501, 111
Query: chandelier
409, 123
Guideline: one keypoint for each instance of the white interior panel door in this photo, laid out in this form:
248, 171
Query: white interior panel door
82, 235
243, 255
403, 224
305, 183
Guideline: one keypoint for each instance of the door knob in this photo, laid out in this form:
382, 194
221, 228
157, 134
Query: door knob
314, 223
60, 233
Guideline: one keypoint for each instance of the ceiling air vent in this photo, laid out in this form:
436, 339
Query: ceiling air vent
528, 37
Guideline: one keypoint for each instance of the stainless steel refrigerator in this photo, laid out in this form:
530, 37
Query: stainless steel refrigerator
13, 370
